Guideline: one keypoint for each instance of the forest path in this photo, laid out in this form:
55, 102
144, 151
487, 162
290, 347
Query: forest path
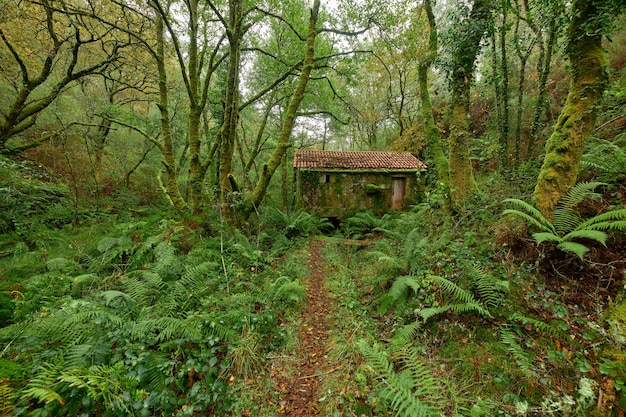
298, 383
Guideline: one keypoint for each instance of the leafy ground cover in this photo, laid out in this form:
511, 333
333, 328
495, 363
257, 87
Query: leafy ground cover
414, 313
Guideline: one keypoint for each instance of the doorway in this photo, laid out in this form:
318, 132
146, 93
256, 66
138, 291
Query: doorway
398, 187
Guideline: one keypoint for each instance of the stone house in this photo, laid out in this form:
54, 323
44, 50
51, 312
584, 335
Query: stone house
339, 183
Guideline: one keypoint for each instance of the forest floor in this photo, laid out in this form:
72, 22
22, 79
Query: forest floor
297, 378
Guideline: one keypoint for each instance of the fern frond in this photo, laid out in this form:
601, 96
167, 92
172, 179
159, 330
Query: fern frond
598, 222
487, 287
513, 347
405, 334
617, 225
79, 355
537, 324
41, 385
596, 235
576, 248
144, 287
111, 295
565, 218
168, 328
541, 237
427, 313
85, 282
412, 392
103, 383
578, 193
8, 396
291, 291
530, 214
450, 287
401, 285
154, 369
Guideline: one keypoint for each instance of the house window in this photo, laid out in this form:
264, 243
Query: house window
324, 178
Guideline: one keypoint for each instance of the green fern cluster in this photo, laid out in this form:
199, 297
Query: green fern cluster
567, 227
406, 383
143, 328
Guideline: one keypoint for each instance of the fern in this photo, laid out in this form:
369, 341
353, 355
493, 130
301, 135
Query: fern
567, 226
405, 335
467, 301
537, 324
104, 384
288, 291
488, 288
168, 328
399, 291
608, 157
8, 396
513, 347
41, 386
414, 391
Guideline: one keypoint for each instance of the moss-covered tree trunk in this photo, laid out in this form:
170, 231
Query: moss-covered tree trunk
255, 198
195, 113
577, 120
430, 128
470, 35
227, 134
171, 186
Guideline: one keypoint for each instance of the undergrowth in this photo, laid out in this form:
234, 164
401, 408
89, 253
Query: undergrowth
144, 318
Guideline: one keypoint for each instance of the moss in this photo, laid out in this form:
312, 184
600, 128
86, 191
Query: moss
373, 189
565, 146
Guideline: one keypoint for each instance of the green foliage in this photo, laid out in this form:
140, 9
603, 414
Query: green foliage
522, 358
139, 325
465, 302
412, 390
567, 226
607, 157
30, 202
294, 224
363, 224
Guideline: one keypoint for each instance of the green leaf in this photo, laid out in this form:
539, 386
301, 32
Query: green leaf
113, 294
576, 248
541, 237
541, 224
596, 235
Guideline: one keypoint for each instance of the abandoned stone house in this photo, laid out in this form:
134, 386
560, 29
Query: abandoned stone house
339, 183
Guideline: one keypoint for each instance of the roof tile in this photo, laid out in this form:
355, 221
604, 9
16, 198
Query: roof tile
356, 160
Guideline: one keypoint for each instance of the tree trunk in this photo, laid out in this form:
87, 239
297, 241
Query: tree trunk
430, 128
171, 188
565, 146
504, 127
522, 55
195, 114
543, 69
270, 167
462, 181
231, 109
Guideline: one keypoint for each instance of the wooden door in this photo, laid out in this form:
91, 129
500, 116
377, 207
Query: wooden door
398, 186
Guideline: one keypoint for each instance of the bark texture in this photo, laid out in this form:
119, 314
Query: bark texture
577, 119
462, 181
442, 165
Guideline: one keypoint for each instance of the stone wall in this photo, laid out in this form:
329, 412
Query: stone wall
341, 193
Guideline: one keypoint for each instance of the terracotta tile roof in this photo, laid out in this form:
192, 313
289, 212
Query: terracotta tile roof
356, 160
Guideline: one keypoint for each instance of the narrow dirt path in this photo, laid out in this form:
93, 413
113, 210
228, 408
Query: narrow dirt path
298, 386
